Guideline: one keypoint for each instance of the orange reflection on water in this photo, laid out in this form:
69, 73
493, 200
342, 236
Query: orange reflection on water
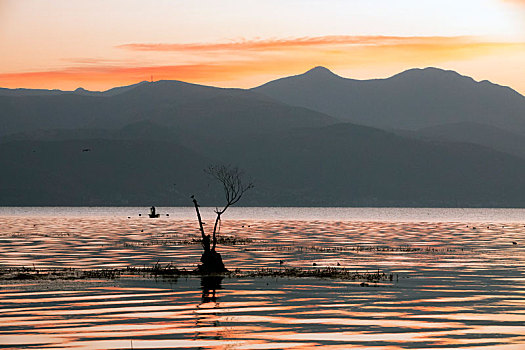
453, 286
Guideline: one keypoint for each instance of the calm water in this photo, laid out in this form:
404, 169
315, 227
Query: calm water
461, 280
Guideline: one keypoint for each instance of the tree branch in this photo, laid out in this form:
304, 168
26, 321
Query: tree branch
231, 179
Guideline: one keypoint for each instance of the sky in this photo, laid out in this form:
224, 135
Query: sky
100, 44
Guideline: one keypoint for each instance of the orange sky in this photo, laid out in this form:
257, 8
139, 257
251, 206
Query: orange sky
101, 44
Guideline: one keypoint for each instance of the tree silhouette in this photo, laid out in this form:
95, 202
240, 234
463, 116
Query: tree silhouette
231, 179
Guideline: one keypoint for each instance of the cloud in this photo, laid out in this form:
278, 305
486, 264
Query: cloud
291, 43
334, 51
103, 77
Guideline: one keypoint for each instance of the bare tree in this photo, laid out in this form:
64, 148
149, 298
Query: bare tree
231, 179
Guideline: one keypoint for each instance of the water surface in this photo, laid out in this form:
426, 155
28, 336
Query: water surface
460, 280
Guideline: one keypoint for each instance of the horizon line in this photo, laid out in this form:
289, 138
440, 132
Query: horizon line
253, 87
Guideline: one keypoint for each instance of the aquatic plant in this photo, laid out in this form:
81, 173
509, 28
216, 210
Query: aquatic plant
170, 271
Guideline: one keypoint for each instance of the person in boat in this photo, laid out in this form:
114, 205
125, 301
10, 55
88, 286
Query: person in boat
153, 213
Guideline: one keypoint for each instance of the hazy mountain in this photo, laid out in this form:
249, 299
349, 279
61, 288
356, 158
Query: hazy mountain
337, 165
29, 92
99, 172
187, 107
476, 133
348, 164
79, 91
411, 100
129, 148
142, 130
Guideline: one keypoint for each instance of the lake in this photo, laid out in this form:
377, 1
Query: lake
459, 279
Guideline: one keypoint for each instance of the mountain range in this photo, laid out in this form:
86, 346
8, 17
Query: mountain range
424, 137
411, 100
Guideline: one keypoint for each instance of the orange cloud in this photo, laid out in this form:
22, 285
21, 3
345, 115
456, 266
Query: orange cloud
102, 77
248, 63
304, 42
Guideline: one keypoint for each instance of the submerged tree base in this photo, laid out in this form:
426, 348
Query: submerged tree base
211, 263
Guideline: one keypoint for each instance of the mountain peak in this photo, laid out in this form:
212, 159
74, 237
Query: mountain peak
321, 71
431, 72
80, 89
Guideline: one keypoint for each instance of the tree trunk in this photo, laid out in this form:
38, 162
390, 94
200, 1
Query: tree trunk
211, 263
210, 259
205, 238
217, 220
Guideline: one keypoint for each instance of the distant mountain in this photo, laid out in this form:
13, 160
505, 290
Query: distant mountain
411, 100
347, 164
476, 133
338, 165
142, 130
100, 172
188, 107
149, 143
29, 92
79, 91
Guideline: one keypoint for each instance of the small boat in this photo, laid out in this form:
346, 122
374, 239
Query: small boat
153, 213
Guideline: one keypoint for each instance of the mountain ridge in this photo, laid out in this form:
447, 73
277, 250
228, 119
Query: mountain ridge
169, 102
412, 99
317, 70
